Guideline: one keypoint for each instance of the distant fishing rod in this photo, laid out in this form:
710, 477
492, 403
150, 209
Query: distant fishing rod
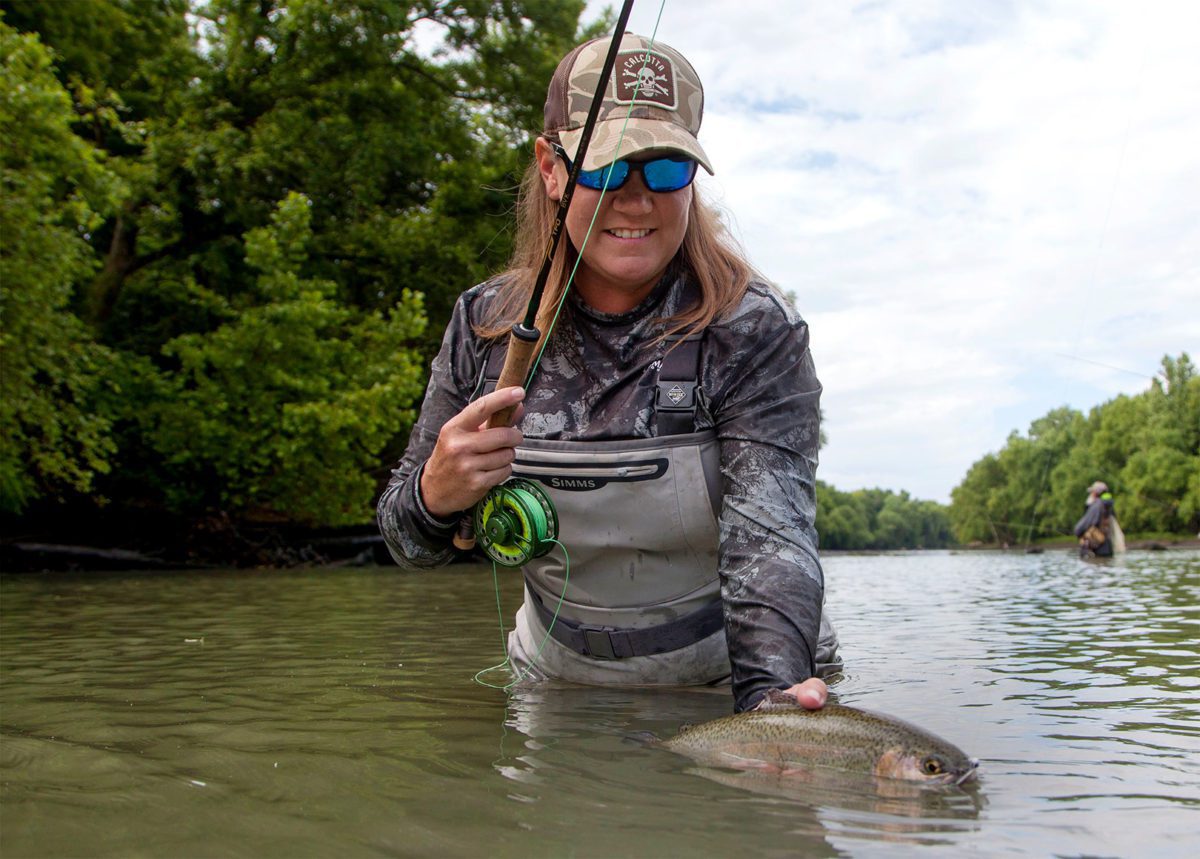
1110, 366
1112, 194
524, 337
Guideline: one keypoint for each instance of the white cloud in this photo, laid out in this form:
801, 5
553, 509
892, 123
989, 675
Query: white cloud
970, 202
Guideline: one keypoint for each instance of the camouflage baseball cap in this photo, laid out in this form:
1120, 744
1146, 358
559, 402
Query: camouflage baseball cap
662, 86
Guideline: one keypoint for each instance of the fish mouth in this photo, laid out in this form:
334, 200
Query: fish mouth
969, 773
956, 777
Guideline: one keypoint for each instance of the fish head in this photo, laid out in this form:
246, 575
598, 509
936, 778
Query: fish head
932, 766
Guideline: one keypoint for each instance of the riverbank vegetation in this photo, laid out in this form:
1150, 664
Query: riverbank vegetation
878, 519
232, 234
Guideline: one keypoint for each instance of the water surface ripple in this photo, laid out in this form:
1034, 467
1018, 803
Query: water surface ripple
333, 712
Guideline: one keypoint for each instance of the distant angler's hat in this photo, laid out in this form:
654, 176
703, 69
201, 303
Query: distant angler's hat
1097, 487
662, 86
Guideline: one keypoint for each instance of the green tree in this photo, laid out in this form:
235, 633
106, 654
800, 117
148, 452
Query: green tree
1145, 447
975, 513
934, 529
298, 391
261, 353
841, 523
129, 66
408, 154
879, 519
54, 190
1159, 475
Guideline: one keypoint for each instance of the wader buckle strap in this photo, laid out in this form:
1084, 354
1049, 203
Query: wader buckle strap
606, 642
675, 399
489, 375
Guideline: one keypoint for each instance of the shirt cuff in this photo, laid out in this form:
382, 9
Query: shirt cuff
436, 524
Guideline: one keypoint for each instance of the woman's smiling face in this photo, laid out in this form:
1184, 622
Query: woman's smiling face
637, 233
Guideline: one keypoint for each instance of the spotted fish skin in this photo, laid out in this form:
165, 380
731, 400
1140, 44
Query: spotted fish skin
792, 739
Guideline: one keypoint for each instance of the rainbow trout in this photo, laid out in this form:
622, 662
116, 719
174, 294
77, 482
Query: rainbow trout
780, 736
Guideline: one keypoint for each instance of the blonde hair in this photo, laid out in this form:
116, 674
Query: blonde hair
709, 254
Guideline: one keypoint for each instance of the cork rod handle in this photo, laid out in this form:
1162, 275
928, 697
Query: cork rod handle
514, 373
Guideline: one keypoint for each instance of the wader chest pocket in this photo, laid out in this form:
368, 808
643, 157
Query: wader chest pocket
585, 476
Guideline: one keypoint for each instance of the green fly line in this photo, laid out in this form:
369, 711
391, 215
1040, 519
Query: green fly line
595, 214
507, 663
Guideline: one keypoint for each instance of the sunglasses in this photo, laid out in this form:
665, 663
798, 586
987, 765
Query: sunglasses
661, 175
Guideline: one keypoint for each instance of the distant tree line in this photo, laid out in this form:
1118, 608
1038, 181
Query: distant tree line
1145, 447
877, 519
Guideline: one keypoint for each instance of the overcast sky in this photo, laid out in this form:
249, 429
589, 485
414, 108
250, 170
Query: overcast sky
975, 204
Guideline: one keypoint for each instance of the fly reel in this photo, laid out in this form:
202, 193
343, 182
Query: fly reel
515, 522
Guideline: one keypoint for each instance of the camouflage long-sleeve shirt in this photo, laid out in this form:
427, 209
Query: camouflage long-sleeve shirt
596, 382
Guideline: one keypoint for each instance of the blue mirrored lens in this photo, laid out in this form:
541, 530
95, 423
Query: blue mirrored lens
661, 174
668, 174
611, 177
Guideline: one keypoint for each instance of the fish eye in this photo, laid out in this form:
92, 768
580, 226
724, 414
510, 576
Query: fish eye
931, 766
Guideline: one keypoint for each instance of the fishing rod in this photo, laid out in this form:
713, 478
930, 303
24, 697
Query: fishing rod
1112, 194
518, 512
1110, 366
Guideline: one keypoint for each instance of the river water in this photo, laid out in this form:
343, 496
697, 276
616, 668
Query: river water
336, 713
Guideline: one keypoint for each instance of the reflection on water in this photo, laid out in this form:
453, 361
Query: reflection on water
309, 713
579, 740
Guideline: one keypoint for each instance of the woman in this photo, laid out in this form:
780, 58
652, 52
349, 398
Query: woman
673, 417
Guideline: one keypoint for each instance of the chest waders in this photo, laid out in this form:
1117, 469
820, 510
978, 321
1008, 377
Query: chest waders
642, 601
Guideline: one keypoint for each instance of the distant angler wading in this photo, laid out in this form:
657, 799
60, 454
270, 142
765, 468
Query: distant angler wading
1098, 531
663, 452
